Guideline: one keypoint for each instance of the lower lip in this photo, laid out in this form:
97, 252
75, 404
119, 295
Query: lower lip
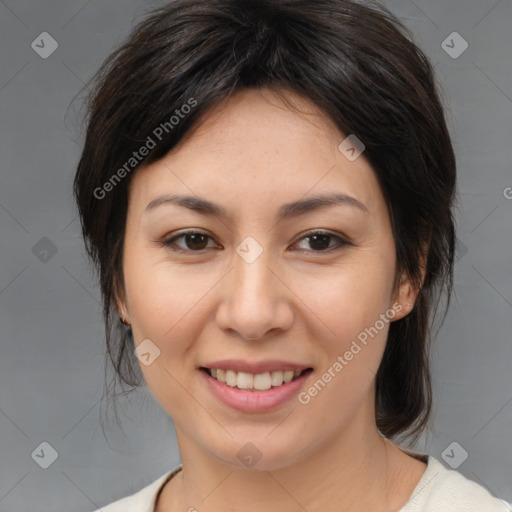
254, 401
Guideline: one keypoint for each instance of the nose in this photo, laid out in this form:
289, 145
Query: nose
254, 301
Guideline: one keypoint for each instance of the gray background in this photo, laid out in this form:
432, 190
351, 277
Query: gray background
52, 353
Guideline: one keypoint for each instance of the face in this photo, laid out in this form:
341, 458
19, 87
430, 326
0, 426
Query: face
247, 288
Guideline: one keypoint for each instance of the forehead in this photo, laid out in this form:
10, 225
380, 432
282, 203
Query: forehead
254, 149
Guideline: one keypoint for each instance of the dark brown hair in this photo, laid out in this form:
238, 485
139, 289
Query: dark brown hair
360, 66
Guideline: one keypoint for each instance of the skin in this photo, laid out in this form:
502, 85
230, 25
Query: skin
294, 303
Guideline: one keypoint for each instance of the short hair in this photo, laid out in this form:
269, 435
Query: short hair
360, 66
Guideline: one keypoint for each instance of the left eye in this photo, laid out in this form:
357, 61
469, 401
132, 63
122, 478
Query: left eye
321, 240
195, 241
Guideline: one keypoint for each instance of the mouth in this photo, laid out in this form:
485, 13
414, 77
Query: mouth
255, 382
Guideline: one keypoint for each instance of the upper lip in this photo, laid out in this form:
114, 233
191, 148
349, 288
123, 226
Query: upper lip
239, 365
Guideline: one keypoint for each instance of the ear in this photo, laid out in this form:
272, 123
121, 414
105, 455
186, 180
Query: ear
122, 311
120, 301
406, 292
404, 298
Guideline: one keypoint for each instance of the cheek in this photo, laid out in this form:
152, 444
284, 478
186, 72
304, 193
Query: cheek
169, 305
351, 295
348, 359
165, 304
155, 290
351, 315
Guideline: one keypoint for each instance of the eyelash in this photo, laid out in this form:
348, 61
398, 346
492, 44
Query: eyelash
170, 242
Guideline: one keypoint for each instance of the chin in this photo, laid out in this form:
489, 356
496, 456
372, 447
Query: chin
260, 453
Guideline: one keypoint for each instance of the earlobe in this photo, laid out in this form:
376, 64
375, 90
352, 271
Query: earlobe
406, 293
121, 306
124, 317
405, 297
121, 311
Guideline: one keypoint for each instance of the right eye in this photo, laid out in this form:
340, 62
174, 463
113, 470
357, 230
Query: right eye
195, 240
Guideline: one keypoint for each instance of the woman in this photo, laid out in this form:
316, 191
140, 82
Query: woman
266, 188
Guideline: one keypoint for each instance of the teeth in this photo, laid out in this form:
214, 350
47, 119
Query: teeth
250, 381
244, 380
288, 376
231, 378
277, 378
262, 381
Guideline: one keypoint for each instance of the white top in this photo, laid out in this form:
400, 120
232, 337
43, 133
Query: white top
439, 490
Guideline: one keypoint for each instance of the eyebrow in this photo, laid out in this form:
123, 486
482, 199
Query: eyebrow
288, 210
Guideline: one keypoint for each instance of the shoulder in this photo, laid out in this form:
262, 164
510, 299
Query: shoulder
143, 500
444, 489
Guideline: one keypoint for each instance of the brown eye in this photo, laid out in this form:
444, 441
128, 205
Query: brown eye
319, 241
195, 241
